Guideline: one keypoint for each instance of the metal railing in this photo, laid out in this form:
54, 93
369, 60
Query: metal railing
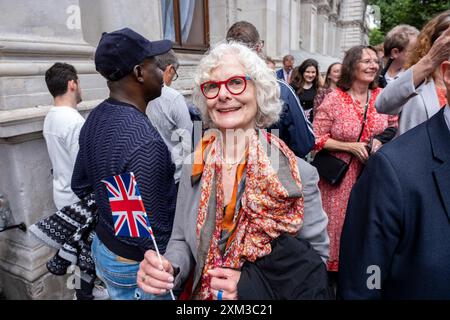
5, 213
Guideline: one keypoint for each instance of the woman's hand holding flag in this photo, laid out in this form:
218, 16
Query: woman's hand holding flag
153, 277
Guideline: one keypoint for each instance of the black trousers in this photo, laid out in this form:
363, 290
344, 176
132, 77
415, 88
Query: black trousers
85, 292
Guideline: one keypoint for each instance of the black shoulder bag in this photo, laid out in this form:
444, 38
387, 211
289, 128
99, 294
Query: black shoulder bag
331, 168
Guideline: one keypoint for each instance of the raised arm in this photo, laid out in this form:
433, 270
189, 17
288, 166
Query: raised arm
392, 99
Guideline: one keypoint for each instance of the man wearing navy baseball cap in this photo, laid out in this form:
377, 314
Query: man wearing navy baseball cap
118, 138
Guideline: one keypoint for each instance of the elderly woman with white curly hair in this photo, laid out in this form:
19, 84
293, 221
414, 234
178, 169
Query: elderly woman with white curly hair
247, 207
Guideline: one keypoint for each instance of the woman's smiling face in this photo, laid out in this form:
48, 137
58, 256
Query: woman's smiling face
232, 111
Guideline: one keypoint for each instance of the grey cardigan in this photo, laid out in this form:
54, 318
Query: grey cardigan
182, 247
413, 106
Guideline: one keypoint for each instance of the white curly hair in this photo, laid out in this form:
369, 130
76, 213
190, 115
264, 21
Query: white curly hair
267, 88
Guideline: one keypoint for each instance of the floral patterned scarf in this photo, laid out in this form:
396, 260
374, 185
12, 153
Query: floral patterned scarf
267, 209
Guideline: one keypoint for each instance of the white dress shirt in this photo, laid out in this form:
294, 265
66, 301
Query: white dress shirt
287, 75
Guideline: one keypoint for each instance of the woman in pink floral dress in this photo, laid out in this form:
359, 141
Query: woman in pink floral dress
337, 126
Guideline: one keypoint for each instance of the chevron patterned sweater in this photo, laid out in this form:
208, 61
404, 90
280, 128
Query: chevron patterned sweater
115, 139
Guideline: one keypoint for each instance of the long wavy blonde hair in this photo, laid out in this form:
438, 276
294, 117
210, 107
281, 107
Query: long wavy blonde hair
427, 36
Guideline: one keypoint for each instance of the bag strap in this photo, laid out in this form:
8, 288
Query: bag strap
386, 68
366, 106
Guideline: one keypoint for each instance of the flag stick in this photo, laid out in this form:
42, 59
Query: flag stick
159, 256
115, 191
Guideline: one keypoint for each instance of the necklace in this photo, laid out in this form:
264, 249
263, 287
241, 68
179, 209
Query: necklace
230, 165
357, 101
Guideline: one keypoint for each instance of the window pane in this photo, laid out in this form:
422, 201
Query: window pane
184, 20
193, 20
168, 19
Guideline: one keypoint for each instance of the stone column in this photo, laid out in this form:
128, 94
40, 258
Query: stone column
295, 25
352, 23
308, 25
283, 27
322, 28
332, 35
314, 31
222, 14
262, 14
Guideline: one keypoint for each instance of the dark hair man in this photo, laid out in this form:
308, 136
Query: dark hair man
62, 127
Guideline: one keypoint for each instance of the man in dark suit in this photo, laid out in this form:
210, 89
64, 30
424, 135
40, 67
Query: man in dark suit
285, 73
395, 242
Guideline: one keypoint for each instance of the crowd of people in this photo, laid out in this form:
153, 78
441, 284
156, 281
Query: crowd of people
302, 186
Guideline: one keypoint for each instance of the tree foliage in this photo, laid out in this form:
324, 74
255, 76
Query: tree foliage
375, 37
412, 12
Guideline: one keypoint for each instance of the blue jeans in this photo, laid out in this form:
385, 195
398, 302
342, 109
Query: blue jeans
119, 274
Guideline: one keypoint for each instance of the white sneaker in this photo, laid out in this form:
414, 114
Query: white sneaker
100, 292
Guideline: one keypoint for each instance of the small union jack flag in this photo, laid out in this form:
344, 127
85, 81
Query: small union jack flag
129, 216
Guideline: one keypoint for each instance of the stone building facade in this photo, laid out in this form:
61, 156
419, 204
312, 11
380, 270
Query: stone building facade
35, 34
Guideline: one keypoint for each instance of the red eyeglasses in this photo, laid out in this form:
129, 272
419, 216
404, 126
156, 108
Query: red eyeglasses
235, 85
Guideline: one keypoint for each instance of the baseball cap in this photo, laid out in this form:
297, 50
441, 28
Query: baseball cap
119, 51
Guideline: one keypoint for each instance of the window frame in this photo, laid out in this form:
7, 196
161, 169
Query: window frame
178, 45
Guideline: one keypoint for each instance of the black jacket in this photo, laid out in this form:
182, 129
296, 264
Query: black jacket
292, 271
